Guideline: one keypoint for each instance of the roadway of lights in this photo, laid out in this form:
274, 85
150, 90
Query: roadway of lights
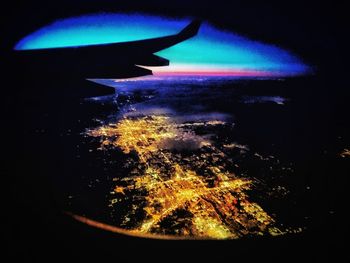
181, 193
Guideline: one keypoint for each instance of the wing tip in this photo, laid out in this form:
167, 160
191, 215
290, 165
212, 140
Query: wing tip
191, 30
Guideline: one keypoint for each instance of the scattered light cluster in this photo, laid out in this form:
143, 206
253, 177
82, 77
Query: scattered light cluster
345, 153
181, 193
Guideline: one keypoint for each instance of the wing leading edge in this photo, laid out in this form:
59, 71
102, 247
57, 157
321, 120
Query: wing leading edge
116, 60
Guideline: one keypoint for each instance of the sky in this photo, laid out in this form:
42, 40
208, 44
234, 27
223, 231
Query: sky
213, 51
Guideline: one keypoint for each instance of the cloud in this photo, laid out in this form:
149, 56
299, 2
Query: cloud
184, 141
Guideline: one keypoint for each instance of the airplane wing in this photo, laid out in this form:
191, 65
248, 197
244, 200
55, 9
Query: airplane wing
116, 60
155, 44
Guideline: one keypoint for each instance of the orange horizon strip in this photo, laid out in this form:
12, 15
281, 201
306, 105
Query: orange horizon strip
118, 230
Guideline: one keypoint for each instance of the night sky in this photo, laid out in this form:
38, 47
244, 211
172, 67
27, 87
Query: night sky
211, 52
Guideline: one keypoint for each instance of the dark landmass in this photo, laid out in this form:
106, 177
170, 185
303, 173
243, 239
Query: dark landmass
50, 165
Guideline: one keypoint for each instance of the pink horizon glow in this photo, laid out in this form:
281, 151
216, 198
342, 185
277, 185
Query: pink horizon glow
189, 70
246, 73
